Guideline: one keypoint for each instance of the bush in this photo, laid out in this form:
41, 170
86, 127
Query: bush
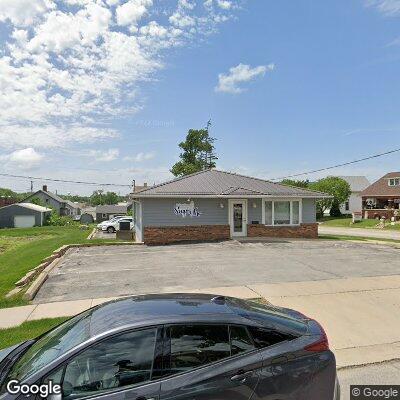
58, 220
335, 210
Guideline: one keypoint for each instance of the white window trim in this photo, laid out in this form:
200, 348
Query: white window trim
291, 200
394, 181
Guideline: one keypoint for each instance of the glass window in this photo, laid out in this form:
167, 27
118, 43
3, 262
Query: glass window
119, 361
240, 340
295, 212
281, 212
195, 345
265, 338
268, 213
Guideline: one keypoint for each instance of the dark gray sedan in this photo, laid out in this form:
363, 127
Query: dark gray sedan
177, 346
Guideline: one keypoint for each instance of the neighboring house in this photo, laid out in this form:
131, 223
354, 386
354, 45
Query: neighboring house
23, 215
382, 198
52, 200
105, 212
217, 205
357, 185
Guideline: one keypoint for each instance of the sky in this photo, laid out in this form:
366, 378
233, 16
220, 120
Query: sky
104, 90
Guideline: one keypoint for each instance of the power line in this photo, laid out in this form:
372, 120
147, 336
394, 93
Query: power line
338, 165
63, 180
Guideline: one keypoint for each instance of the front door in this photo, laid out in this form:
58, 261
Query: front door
238, 217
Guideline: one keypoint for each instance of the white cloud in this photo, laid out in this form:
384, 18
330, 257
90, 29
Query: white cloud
242, 73
225, 4
132, 11
23, 159
23, 12
105, 156
140, 157
68, 68
387, 7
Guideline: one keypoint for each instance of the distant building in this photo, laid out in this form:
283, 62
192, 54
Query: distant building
52, 200
382, 198
105, 212
357, 185
7, 200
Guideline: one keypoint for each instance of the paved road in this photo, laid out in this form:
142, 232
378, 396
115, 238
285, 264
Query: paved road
114, 271
378, 374
359, 232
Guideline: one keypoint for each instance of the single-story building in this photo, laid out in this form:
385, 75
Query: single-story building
105, 212
49, 199
23, 215
217, 205
382, 198
357, 185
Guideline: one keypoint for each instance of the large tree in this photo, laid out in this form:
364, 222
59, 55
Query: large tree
198, 152
100, 198
337, 187
297, 183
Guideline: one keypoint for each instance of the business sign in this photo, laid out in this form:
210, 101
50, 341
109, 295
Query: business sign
186, 210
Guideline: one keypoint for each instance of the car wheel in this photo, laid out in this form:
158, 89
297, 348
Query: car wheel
110, 229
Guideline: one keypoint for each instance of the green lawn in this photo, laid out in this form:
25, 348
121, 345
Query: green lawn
23, 249
365, 223
28, 330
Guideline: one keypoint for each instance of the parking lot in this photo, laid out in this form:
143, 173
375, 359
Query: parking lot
121, 270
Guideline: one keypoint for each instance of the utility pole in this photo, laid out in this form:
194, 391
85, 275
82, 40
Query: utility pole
134, 185
31, 186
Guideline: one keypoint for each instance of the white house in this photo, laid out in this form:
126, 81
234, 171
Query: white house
357, 185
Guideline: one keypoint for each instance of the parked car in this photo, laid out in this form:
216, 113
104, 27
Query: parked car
116, 218
180, 346
113, 226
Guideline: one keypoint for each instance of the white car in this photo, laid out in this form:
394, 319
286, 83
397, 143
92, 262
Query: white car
116, 218
113, 226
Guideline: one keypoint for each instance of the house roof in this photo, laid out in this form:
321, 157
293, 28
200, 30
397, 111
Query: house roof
111, 209
357, 183
30, 206
50, 194
381, 187
215, 183
71, 203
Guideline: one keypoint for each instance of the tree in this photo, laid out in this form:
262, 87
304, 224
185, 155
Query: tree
198, 152
297, 183
100, 198
337, 187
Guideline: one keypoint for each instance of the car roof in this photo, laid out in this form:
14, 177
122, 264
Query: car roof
154, 309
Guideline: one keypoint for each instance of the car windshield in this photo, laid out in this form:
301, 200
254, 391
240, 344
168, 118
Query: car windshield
52, 345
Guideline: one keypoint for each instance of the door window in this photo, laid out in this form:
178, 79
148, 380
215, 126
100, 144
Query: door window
119, 361
240, 340
238, 217
195, 345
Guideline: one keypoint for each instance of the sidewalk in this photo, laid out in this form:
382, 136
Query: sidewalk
360, 315
359, 232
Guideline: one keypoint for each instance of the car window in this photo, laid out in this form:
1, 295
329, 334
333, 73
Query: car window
240, 340
122, 360
195, 345
265, 337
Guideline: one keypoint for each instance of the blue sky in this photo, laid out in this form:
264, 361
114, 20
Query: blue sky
289, 86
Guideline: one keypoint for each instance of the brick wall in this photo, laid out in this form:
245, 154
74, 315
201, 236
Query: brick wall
173, 234
308, 231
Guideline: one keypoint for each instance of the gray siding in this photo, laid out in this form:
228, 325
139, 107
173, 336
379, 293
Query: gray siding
254, 213
160, 212
309, 211
7, 215
46, 201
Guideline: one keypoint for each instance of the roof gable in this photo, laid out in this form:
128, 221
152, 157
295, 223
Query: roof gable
212, 182
381, 187
50, 194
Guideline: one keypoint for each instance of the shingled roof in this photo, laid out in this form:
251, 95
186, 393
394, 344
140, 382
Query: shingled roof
381, 187
215, 183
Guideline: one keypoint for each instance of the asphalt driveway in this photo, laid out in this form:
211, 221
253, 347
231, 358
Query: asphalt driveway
121, 270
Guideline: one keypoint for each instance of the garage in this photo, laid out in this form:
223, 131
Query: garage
24, 221
23, 215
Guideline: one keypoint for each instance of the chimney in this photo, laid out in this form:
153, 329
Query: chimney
44, 188
145, 184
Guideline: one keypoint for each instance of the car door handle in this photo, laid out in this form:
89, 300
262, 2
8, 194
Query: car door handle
241, 376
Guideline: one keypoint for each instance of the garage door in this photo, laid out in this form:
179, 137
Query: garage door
24, 221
